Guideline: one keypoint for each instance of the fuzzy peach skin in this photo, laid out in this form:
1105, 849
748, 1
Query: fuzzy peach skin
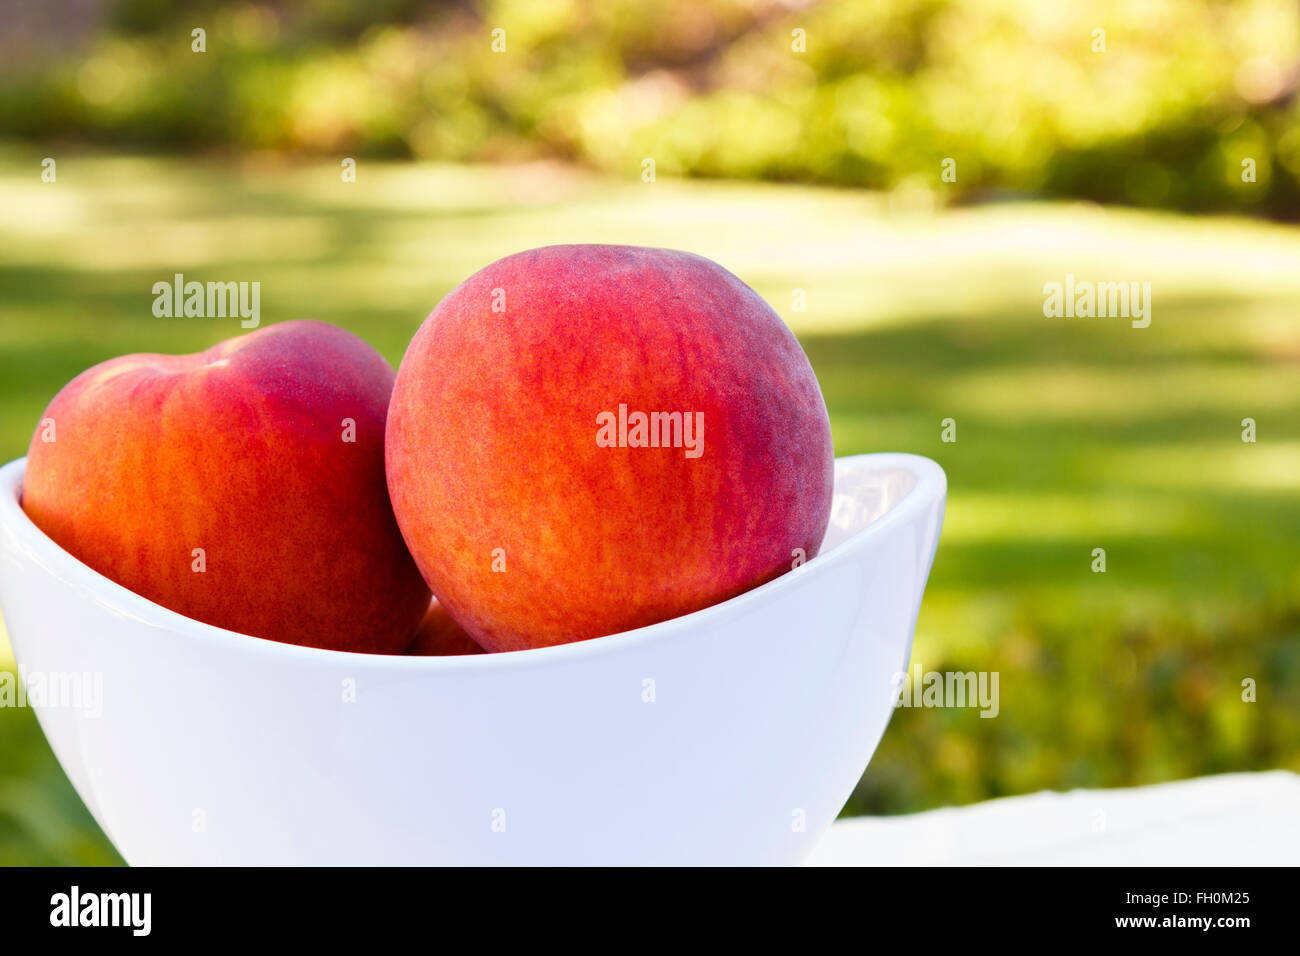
533, 533
220, 485
440, 636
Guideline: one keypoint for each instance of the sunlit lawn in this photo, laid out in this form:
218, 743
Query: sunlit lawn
1072, 434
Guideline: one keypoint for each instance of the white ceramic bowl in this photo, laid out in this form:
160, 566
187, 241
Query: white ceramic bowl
733, 735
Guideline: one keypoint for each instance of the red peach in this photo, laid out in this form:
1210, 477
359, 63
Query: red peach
522, 458
242, 486
440, 636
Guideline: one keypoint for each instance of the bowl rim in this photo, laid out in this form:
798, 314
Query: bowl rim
929, 487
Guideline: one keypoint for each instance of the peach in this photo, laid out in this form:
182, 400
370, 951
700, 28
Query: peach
242, 486
440, 636
587, 439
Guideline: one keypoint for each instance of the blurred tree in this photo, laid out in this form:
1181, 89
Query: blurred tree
1187, 105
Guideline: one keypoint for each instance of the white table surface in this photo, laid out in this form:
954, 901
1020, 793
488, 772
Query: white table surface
1230, 820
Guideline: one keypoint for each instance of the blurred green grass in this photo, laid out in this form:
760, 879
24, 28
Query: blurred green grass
1072, 434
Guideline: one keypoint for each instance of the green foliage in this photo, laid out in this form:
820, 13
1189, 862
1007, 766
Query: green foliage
1017, 92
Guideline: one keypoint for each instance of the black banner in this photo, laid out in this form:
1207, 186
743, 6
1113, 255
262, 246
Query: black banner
328, 905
